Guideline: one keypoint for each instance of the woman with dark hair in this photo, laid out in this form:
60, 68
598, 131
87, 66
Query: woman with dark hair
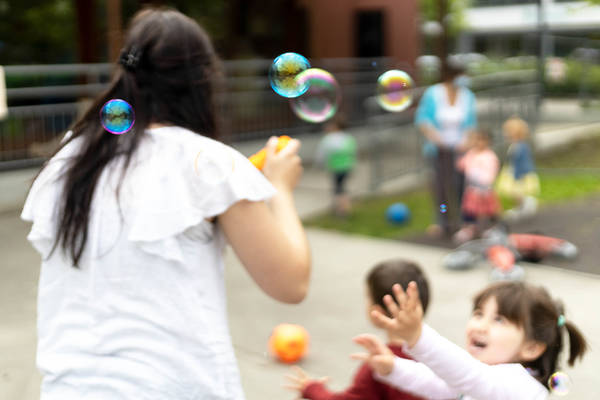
131, 229
446, 113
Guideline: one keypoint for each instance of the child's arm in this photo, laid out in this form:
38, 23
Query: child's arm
403, 374
364, 386
449, 362
470, 376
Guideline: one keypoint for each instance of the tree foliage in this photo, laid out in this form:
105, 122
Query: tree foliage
37, 31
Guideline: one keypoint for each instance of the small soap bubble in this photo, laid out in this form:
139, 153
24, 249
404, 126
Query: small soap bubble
443, 208
283, 73
394, 90
321, 100
117, 116
559, 383
213, 169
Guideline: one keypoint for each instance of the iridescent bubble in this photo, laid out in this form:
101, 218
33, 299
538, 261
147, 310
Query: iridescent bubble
559, 383
394, 90
283, 72
321, 100
212, 169
117, 116
443, 208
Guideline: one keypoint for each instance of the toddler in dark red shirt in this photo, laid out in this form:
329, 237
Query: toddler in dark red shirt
379, 282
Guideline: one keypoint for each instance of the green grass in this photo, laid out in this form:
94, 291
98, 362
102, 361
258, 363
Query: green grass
559, 184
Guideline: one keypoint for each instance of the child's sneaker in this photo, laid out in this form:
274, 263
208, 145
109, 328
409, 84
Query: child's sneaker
566, 250
464, 235
512, 215
516, 273
529, 206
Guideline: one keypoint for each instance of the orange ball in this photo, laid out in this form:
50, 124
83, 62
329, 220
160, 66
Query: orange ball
288, 342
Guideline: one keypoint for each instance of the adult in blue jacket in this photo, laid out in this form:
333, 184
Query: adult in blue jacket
446, 114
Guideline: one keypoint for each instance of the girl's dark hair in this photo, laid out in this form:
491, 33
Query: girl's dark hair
169, 80
532, 308
384, 275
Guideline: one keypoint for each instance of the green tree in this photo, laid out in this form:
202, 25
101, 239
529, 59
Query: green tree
37, 31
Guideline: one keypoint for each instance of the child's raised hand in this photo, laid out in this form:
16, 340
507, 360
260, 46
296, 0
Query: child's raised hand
300, 380
380, 358
407, 316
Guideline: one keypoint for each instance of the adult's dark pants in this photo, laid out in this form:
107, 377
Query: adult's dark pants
447, 188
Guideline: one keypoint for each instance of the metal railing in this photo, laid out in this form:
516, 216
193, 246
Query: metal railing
253, 111
249, 106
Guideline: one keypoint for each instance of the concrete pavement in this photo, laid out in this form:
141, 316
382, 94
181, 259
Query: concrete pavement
333, 312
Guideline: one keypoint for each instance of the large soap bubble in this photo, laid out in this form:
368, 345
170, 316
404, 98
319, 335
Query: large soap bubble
321, 100
283, 72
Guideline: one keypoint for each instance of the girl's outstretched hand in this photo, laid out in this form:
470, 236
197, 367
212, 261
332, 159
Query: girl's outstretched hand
407, 315
300, 380
380, 358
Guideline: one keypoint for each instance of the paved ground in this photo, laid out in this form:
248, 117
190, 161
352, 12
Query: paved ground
333, 312
578, 222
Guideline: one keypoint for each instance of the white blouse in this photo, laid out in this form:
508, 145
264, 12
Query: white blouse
144, 315
451, 116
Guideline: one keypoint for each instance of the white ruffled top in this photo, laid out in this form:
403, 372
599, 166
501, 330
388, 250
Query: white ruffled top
144, 315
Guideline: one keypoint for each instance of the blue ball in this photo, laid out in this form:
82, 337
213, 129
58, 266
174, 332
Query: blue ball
397, 213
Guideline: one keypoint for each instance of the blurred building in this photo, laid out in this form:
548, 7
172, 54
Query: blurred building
326, 28
363, 28
510, 27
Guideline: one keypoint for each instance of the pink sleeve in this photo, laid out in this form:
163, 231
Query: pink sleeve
417, 378
469, 376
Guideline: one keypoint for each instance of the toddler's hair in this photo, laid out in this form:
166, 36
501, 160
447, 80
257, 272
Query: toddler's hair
483, 133
542, 319
384, 275
517, 126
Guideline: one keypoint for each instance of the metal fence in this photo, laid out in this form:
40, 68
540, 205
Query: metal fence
249, 107
389, 140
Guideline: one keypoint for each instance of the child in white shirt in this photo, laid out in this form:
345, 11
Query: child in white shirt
514, 338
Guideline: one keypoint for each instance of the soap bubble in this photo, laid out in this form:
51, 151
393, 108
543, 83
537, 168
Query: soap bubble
117, 116
321, 100
394, 90
283, 72
559, 383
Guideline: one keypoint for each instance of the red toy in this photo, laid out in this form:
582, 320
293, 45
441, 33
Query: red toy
502, 250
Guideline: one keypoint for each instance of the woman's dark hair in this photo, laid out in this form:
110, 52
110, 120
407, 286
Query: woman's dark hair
167, 72
451, 69
384, 275
532, 308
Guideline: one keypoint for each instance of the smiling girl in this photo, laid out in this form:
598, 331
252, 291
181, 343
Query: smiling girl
514, 338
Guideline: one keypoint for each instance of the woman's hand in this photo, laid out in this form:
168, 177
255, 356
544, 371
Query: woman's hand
380, 358
283, 168
407, 315
300, 380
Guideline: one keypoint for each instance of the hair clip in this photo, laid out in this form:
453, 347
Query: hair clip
130, 59
561, 320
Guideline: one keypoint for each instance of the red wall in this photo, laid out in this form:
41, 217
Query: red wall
331, 27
